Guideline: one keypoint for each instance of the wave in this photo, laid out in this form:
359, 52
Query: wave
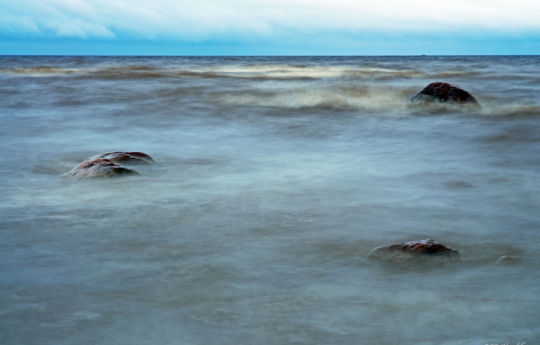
511, 109
311, 72
373, 87
239, 71
39, 71
331, 98
254, 71
369, 97
454, 73
125, 72
99, 72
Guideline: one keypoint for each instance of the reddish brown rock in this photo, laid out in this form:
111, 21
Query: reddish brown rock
442, 92
108, 164
414, 250
99, 167
128, 157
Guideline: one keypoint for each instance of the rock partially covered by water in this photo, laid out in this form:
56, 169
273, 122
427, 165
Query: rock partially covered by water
424, 250
441, 92
109, 164
99, 167
127, 157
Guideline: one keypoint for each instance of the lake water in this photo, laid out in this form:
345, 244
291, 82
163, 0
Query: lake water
275, 177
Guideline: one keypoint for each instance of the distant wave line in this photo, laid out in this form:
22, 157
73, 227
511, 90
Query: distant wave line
258, 71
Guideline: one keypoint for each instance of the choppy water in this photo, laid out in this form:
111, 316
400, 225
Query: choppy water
275, 178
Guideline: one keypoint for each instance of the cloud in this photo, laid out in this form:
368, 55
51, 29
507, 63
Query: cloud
202, 19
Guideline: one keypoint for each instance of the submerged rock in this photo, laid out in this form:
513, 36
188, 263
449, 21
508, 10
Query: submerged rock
99, 167
426, 250
441, 92
128, 157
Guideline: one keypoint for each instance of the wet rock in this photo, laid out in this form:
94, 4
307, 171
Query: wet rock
441, 92
99, 167
424, 250
127, 157
109, 164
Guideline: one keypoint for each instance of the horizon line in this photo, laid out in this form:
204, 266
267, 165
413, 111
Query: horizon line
271, 55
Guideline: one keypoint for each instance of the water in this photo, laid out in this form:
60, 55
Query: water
275, 178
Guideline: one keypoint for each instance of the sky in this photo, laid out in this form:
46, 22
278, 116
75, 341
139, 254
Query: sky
269, 27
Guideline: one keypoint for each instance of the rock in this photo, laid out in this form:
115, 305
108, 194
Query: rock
128, 157
441, 92
99, 167
423, 250
108, 164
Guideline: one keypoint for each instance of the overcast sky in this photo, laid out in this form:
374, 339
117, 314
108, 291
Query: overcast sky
269, 27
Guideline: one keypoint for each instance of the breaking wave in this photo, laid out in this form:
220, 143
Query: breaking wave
39, 71
331, 98
254, 71
344, 85
364, 98
511, 109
